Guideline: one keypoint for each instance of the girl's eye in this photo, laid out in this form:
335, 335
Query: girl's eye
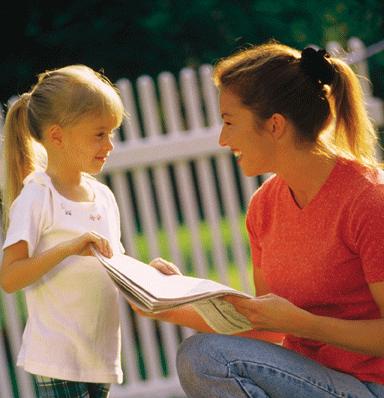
103, 135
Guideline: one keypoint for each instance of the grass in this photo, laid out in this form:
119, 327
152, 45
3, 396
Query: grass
184, 242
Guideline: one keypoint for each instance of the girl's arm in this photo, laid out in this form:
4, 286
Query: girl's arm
18, 270
274, 313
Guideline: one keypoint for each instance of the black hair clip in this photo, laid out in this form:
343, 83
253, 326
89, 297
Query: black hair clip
316, 65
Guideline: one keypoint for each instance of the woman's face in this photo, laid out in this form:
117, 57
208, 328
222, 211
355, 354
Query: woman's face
247, 138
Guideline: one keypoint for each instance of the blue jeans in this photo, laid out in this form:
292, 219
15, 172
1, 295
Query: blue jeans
220, 366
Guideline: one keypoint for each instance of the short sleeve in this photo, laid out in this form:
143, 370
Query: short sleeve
30, 215
116, 223
250, 222
367, 229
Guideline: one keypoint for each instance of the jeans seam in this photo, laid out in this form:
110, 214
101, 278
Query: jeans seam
237, 379
301, 379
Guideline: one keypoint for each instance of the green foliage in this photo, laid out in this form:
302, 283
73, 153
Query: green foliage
184, 243
129, 39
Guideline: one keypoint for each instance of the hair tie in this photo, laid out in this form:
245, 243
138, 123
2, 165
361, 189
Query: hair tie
316, 64
25, 97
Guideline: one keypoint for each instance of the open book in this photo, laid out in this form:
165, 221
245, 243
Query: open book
152, 291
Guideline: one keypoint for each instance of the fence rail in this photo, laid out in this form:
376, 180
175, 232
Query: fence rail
180, 197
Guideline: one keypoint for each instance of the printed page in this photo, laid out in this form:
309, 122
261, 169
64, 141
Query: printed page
222, 316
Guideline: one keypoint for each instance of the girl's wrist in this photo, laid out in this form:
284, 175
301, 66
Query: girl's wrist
64, 250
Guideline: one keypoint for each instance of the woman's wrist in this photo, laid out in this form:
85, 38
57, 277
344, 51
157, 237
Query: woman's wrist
307, 325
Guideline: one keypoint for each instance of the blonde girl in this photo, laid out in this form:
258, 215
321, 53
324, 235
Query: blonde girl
52, 215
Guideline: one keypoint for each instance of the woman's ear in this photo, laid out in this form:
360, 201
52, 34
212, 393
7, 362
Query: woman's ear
276, 126
55, 135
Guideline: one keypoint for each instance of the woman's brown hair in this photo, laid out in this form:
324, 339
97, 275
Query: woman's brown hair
319, 94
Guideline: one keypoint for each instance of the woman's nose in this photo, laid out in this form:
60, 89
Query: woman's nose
222, 138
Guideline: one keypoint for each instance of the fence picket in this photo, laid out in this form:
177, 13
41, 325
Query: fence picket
131, 125
152, 124
174, 124
210, 96
5, 377
231, 204
15, 328
170, 101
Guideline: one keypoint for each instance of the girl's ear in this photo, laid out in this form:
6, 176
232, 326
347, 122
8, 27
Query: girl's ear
276, 126
55, 135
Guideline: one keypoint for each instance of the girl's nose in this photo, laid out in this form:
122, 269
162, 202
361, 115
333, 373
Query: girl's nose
110, 145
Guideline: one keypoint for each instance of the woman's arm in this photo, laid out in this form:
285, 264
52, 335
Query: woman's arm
364, 336
274, 313
188, 317
182, 316
18, 270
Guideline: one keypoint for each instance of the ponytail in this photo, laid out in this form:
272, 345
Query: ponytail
354, 132
320, 94
18, 153
82, 92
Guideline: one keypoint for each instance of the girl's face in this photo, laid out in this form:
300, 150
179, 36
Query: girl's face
247, 138
88, 143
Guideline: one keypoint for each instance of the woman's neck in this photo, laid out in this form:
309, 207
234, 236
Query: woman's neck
305, 174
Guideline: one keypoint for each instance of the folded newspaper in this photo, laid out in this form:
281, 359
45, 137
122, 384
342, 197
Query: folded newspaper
152, 291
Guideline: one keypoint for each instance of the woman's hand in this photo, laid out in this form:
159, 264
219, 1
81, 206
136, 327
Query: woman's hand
82, 245
164, 266
271, 312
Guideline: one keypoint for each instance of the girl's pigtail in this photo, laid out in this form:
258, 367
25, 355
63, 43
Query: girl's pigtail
18, 153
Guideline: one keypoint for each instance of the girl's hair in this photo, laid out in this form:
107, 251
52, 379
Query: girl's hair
319, 94
60, 96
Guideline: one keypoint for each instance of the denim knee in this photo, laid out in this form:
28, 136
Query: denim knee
189, 357
196, 356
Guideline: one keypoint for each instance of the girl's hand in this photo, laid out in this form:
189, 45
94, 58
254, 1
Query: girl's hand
164, 266
271, 312
82, 245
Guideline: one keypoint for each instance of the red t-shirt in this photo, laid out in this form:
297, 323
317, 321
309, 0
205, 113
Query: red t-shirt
323, 256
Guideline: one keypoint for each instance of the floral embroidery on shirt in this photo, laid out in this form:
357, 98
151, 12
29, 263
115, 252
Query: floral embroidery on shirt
95, 217
67, 212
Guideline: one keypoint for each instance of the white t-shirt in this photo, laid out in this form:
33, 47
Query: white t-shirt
73, 328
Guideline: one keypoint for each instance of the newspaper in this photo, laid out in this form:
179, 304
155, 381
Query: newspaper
152, 291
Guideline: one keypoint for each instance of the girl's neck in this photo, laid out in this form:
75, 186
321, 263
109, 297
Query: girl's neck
70, 185
63, 177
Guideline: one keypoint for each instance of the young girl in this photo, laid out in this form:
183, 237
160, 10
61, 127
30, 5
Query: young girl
71, 342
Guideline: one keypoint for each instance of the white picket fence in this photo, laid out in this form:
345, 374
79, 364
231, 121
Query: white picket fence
168, 174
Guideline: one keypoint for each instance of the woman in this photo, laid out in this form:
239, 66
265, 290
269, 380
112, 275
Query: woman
315, 229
